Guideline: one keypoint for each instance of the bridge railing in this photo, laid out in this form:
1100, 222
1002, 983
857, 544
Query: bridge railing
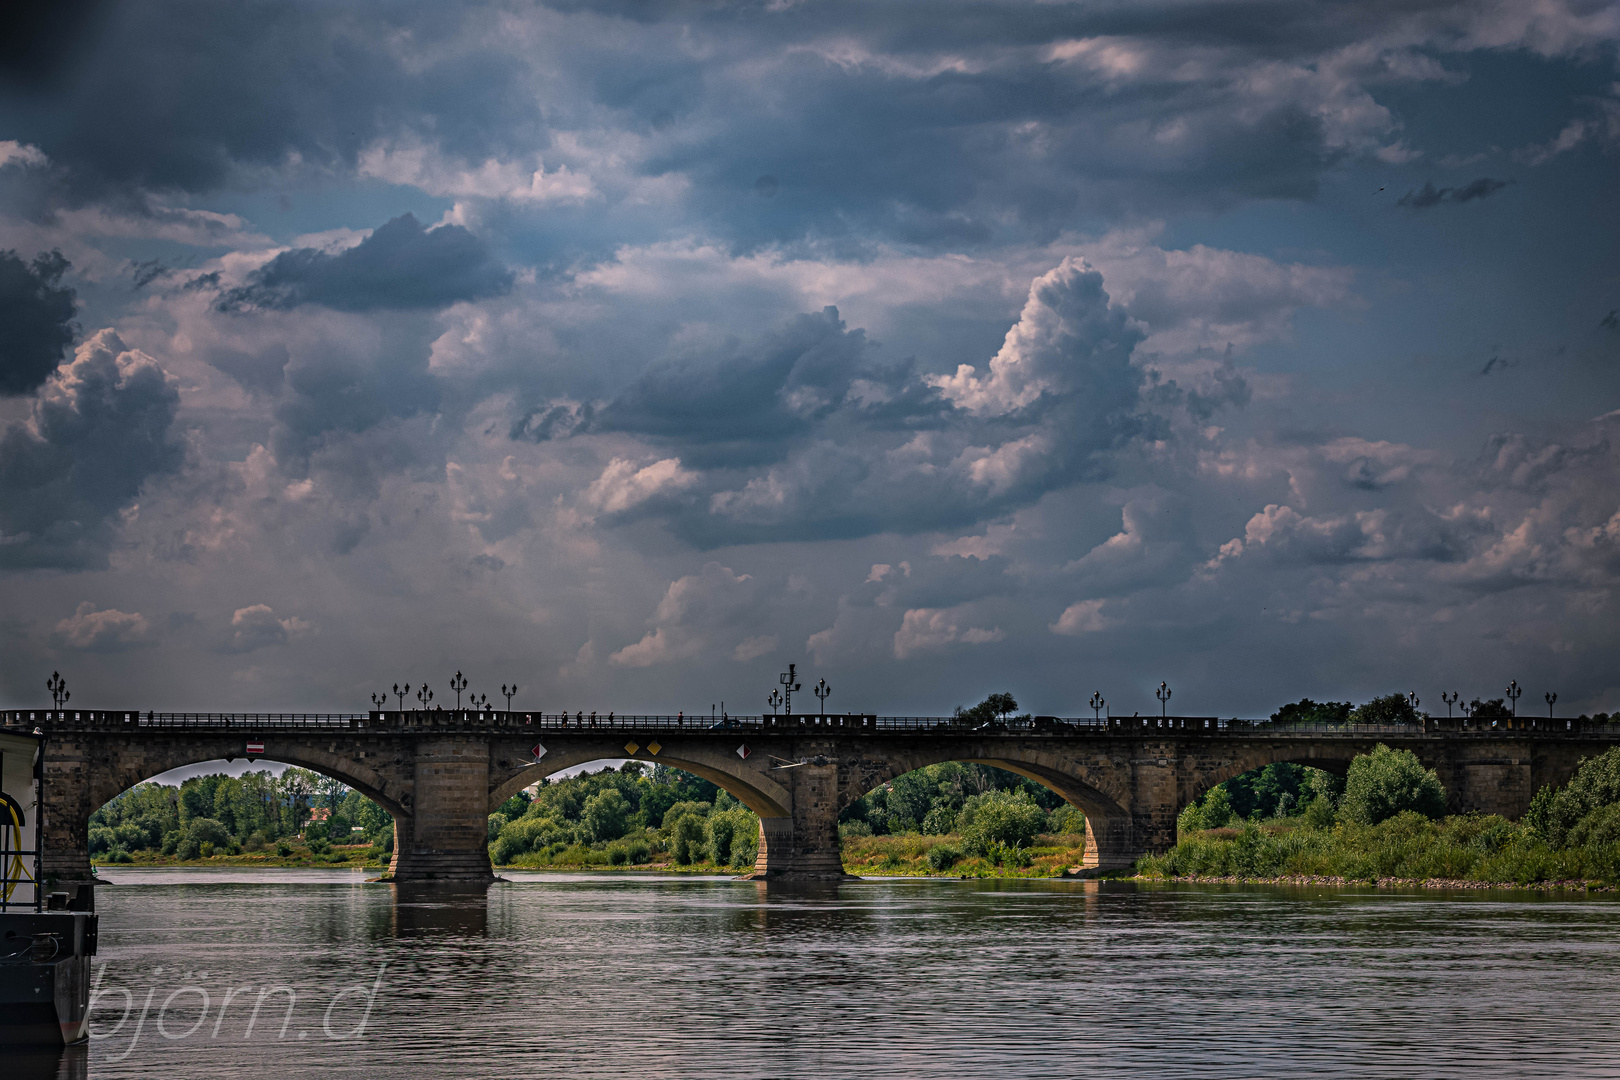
867, 723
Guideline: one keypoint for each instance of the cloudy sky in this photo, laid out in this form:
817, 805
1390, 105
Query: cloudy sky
632, 351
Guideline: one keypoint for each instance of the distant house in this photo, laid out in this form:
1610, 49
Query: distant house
320, 813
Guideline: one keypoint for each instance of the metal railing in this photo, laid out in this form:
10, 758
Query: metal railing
866, 723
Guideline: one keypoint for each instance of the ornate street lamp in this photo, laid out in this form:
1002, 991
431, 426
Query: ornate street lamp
424, 695
477, 702
379, 700
1514, 693
1450, 701
1096, 704
1550, 699
458, 683
788, 686
1412, 699
508, 691
58, 688
822, 691
402, 693
773, 701
1163, 694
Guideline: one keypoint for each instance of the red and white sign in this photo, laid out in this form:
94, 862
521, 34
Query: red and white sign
743, 751
255, 748
539, 751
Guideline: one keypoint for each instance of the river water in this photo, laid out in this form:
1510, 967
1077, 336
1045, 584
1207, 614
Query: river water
633, 975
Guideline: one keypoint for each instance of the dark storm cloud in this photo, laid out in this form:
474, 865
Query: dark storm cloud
36, 320
44, 37
753, 403
400, 266
1429, 195
180, 96
805, 432
96, 434
946, 125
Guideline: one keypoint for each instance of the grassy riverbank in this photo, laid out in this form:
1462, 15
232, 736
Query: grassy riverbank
357, 855
1408, 848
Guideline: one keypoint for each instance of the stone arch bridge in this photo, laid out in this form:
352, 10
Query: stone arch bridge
440, 773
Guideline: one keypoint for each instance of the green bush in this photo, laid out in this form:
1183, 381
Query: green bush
939, 821
732, 836
283, 848
102, 839
618, 854
119, 855
206, 849
854, 828
171, 841
942, 857
1596, 783
1066, 819
688, 842
1320, 813
1000, 817
1388, 782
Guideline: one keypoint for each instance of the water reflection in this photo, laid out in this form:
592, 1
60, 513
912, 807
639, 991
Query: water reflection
584, 975
427, 909
54, 1063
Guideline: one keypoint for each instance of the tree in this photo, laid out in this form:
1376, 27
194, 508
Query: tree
200, 831
994, 707
605, 815
1389, 709
1386, 782
1306, 711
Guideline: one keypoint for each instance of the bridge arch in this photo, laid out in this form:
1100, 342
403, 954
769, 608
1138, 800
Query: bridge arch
123, 772
1097, 789
749, 787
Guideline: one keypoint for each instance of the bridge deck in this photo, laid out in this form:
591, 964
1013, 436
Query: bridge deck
412, 721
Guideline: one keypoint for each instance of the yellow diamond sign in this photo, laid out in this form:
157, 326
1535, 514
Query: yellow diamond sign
631, 747
653, 748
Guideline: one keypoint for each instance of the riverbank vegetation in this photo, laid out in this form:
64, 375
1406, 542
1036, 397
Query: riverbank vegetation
1387, 820
257, 819
625, 817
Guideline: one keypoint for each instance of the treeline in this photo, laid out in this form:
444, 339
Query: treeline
229, 815
624, 816
1387, 820
932, 800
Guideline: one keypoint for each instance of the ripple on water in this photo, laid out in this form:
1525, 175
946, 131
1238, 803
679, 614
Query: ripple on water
630, 975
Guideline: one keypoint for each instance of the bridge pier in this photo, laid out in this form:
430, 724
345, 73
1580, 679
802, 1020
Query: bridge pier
442, 833
803, 846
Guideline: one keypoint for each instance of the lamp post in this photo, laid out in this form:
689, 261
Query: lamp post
1551, 697
508, 691
774, 700
401, 693
822, 691
424, 695
58, 688
458, 683
1412, 699
1163, 694
477, 702
1450, 701
1514, 693
1096, 704
788, 686
379, 700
